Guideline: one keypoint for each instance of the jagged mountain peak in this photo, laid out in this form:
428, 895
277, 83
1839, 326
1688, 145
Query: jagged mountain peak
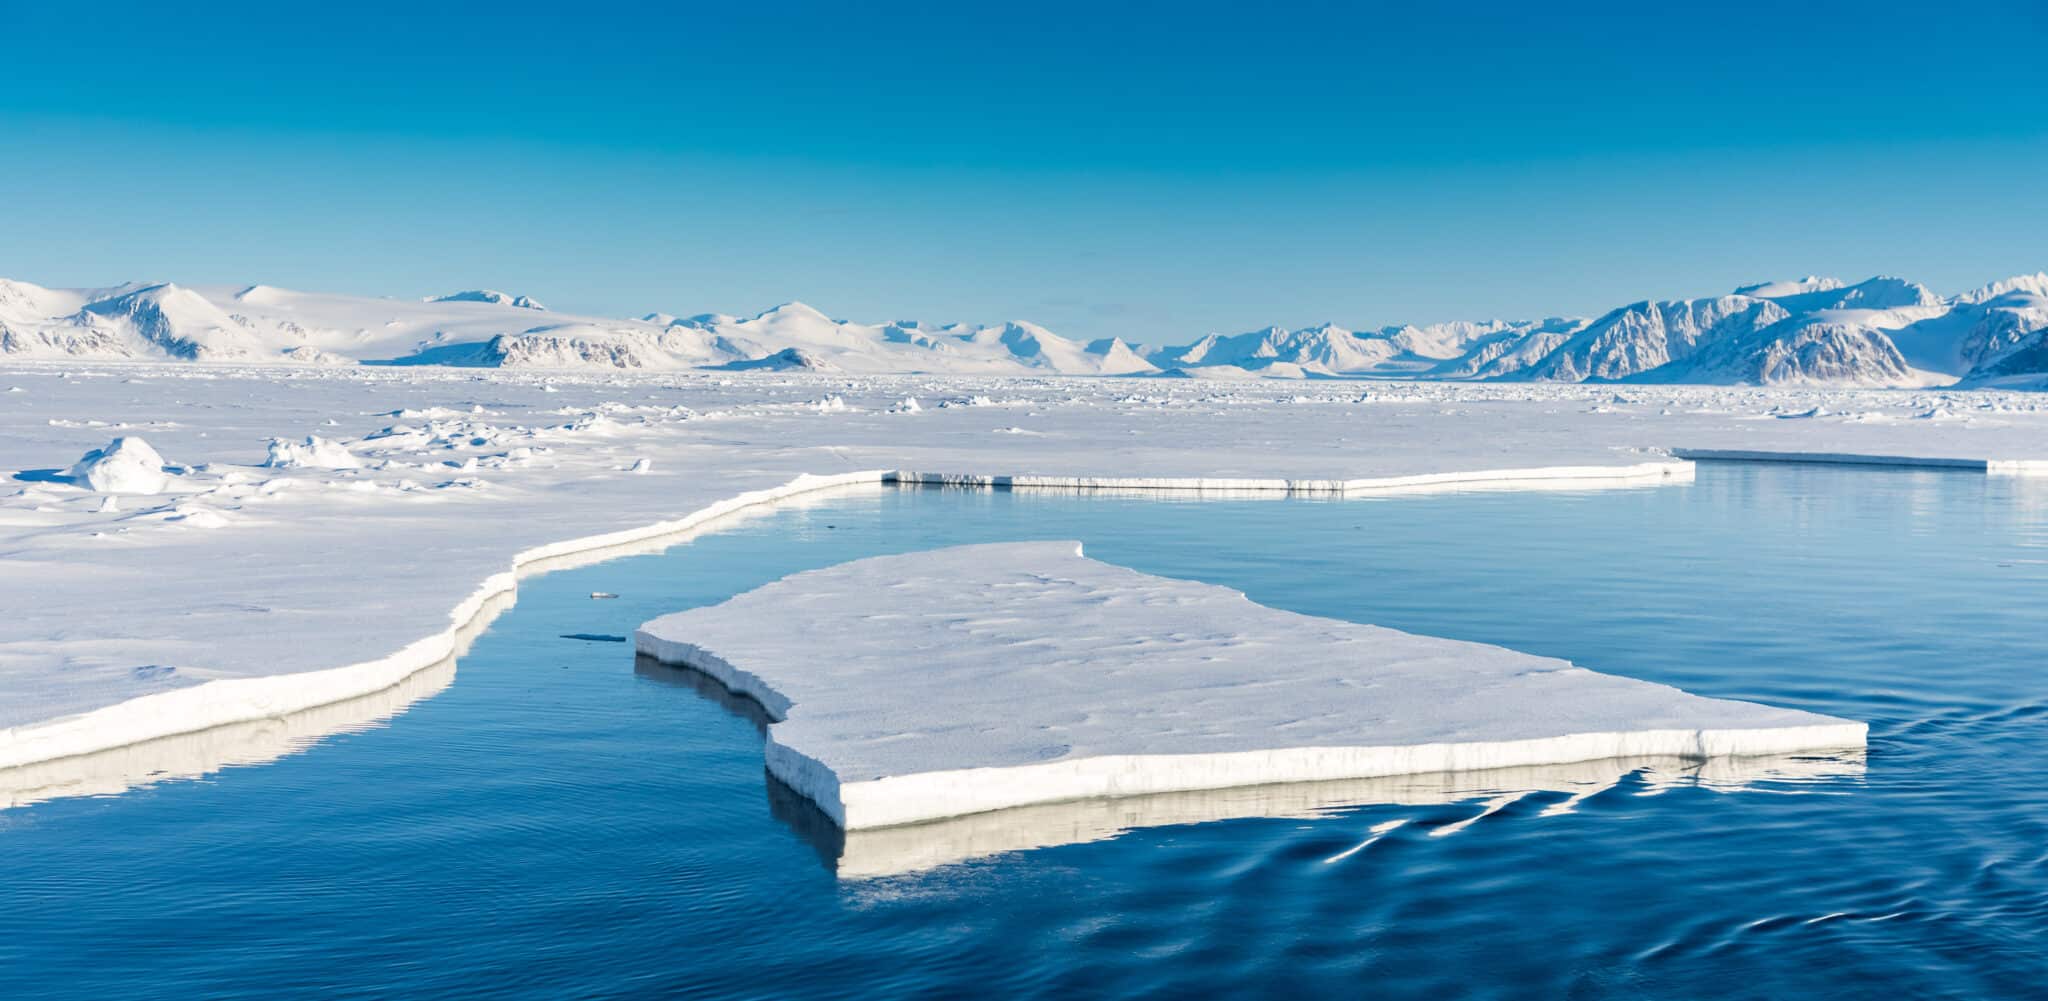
2033, 284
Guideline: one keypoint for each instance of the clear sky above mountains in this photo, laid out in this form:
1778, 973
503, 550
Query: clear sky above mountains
1151, 171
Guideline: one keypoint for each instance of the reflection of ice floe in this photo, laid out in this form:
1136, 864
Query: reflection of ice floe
202, 753
706, 686
246, 742
886, 851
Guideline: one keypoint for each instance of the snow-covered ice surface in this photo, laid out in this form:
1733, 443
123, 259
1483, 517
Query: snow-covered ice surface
245, 591
958, 681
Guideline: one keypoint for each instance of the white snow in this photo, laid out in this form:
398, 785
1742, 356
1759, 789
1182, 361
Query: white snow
314, 452
139, 621
958, 681
127, 465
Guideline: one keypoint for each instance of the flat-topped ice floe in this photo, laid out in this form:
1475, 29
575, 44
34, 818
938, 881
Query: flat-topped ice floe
940, 684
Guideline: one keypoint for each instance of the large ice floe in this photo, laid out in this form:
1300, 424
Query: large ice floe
904, 689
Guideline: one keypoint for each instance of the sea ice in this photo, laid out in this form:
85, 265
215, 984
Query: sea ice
939, 684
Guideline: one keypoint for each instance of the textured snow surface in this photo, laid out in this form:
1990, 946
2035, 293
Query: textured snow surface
911, 688
243, 590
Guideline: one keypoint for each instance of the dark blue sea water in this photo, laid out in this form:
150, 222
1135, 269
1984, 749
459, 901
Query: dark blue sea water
560, 822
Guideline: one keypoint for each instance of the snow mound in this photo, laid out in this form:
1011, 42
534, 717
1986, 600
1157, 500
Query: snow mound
911, 688
313, 453
127, 465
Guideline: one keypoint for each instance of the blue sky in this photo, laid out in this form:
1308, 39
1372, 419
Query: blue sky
1153, 171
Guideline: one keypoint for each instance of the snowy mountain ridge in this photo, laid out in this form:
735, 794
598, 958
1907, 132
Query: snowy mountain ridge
1883, 331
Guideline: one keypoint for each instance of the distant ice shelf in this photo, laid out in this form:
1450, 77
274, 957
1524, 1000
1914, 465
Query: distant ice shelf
912, 688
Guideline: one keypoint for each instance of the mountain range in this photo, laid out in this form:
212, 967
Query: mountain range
1879, 332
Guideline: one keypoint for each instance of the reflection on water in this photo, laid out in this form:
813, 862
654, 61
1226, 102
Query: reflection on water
705, 685
1666, 474
253, 742
892, 851
909, 848
204, 752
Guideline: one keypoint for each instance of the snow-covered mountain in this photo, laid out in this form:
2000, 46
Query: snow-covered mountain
491, 296
259, 323
1879, 332
1441, 350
